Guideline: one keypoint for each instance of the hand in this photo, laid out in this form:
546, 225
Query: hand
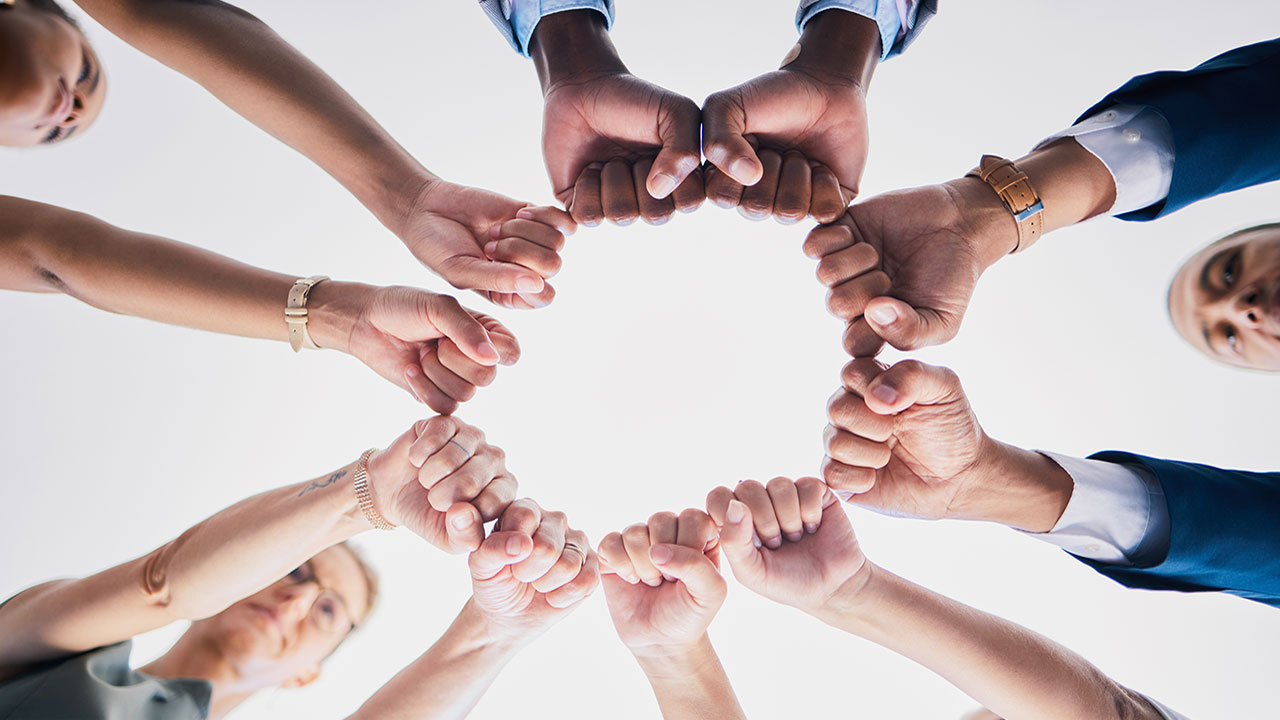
442, 480
477, 240
788, 541
531, 571
796, 138
905, 440
662, 580
423, 342
616, 147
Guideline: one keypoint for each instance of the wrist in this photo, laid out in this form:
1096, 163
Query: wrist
988, 225
838, 47
673, 659
333, 307
572, 46
1019, 488
852, 598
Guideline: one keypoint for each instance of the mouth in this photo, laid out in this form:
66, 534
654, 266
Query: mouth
62, 104
271, 619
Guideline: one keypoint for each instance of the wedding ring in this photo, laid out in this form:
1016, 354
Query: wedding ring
568, 545
462, 448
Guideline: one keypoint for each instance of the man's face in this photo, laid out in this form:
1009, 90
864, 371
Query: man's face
280, 635
1226, 299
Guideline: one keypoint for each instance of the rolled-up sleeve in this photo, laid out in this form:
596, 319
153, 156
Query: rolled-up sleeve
899, 21
516, 19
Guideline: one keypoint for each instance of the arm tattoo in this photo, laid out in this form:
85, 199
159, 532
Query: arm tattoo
318, 484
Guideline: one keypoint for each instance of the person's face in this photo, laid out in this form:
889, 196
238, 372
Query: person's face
51, 84
1226, 300
281, 635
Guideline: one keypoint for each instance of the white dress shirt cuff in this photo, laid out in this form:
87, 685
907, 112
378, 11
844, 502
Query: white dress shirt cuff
885, 13
1136, 145
516, 19
1116, 514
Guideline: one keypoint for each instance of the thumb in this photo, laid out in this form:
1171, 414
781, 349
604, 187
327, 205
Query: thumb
464, 527
906, 327
474, 273
680, 155
694, 569
724, 123
736, 544
912, 382
498, 551
457, 324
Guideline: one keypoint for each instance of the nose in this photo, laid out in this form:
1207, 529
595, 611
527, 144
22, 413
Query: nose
1246, 307
297, 602
77, 108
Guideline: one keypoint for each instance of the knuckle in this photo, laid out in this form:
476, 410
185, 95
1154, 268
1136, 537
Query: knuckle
778, 484
664, 517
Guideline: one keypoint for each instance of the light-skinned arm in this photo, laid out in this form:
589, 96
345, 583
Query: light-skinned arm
1009, 669
663, 586
525, 578
902, 266
246, 547
421, 341
250, 68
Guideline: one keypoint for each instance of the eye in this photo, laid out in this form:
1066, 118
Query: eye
328, 608
84, 69
1230, 269
53, 136
1229, 334
301, 574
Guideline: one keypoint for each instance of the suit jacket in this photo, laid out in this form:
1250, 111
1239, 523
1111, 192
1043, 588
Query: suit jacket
1225, 118
1224, 531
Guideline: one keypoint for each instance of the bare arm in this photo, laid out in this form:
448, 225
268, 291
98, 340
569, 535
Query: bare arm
228, 556
246, 65
423, 342
1011, 670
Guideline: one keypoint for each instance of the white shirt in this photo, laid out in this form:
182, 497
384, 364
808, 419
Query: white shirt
1136, 145
1115, 515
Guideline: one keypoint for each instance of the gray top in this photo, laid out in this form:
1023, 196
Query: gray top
100, 685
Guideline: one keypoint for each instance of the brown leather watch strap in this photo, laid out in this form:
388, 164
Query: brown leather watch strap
295, 312
1015, 191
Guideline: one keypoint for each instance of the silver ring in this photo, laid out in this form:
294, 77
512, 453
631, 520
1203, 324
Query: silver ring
462, 448
571, 545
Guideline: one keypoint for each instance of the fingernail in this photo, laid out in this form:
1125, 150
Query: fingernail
752, 214
668, 578
595, 166
786, 219
883, 315
490, 248
735, 512
513, 545
524, 214
526, 284
488, 350
720, 202
844, 495
463, 521
660, 554
811, 528
413, 371
591, 223
795, 537
659, 220
885, 394
662, 185
743, 168
773, 543
495, 231
755, 540
623, 222
653, 583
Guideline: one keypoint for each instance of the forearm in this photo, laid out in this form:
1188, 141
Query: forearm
1072, 183
838, 46
571, 45
1009, 669
219, 561
448, 679
50, 249
1015, 487
690, 683
256, 73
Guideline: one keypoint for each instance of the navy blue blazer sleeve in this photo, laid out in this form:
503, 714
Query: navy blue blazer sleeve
1224, 531
1225, 118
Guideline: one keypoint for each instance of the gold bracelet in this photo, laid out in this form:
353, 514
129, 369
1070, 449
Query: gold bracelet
295, 312
364, 498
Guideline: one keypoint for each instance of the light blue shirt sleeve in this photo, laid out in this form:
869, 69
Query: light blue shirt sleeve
900, 21
516, 19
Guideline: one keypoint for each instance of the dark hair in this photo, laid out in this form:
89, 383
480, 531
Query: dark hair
54, 8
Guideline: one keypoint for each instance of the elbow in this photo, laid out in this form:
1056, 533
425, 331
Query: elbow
1129, 705
161, 588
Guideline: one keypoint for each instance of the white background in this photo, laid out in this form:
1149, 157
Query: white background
674, 358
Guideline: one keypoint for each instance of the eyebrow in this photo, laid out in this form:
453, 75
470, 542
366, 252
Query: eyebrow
97, 76
1204, 272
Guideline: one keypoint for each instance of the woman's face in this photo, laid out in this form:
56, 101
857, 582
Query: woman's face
280, 635
1226, 299
51, 84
